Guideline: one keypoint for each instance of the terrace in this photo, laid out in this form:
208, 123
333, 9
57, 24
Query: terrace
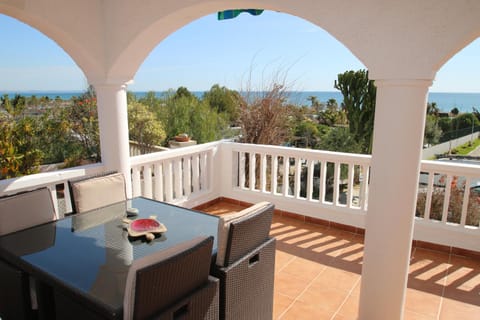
319, 222
402, 44
318, 274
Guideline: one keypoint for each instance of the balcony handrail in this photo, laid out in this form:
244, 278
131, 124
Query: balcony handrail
294, 152
14, 185
172, 153
451, 168
50, 180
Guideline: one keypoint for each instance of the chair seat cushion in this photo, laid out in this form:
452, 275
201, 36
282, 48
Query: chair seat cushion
224, 228
98, 192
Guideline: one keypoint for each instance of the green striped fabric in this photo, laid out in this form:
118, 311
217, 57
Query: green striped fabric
230, 14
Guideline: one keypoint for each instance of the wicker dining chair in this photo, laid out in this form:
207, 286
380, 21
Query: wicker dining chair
92, 192
17, 212
173, 284
246, 263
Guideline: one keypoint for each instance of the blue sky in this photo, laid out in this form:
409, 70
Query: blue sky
205, 52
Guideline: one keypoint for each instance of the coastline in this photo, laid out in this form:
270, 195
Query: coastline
445, 101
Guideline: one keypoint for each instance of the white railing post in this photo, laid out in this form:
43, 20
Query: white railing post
298, 176
177, 178
336, 182
241, 170
136, 183
147, 181
428, 202
168, 181
286, 172
466, 197
203, 172
251, 171
274, 174
323, 180
310, 170
158, 172
187, 176
263, 173
351, 176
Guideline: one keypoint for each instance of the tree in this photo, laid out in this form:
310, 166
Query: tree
465, 121
455, 111
476, 113
432, 130
83, 119
14, 107
432, 109
265, 119
359, 94
183, 92
315, 104
56, 137
445, 124
332, 104
19, 152
340, 139
223, 100
307, 131
150, 100
186, 114
144, 128
207, 124
131, 97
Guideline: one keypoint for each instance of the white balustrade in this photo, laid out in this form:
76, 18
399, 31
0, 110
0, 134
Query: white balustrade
329, 178
319, 184
448, 207
56, 180
176, 175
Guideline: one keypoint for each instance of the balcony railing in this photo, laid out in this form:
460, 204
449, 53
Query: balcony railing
319, 184
56, 182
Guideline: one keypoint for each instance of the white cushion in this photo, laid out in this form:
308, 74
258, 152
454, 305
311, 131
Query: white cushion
25, 210
98, 192
224, 228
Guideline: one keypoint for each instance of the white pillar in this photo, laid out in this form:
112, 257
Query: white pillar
113, 125
397, 149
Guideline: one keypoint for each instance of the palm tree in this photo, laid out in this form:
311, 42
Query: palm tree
432, 108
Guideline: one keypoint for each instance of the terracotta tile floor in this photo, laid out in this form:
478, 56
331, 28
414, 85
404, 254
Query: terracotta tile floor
318, 274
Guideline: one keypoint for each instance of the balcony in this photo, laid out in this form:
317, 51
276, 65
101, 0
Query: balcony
322, 202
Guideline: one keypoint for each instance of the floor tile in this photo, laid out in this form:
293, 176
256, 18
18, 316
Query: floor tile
305, 311
422, 302
337, 278
453, 309
304, 268
280, 304
349, 308
289, 285
324, 297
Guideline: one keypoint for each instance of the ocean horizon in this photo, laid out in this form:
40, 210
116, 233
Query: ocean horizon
446, 101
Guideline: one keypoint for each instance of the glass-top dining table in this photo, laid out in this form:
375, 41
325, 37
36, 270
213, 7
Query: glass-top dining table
85, 257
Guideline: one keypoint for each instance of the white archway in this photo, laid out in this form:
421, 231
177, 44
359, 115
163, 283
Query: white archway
402, 43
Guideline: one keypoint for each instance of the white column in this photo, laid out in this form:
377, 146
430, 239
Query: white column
397, 149
113, 125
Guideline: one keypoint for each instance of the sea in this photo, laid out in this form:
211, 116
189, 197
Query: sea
465, 102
